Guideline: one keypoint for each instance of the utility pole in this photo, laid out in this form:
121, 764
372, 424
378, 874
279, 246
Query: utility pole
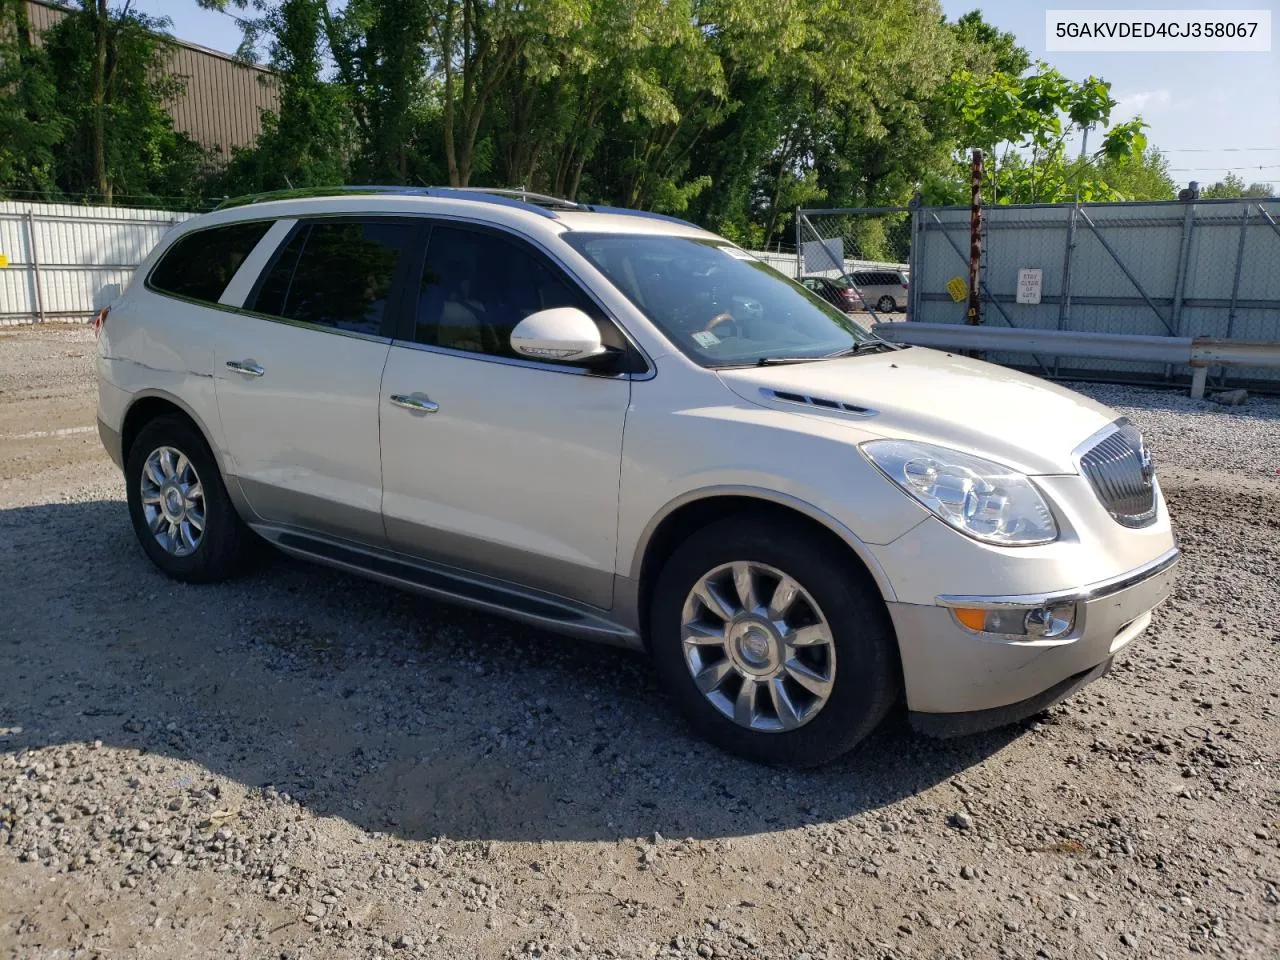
974, 315
1064, 306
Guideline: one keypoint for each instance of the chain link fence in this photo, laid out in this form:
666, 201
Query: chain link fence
1206, 268
866, 251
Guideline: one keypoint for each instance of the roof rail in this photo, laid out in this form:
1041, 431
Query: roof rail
539, 203
506, 198
628, 212
519, 193
535, 203
303, 193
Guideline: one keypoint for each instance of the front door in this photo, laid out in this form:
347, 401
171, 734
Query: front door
298, 372
492, 463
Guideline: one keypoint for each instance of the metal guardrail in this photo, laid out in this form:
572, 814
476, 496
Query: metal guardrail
1199, 353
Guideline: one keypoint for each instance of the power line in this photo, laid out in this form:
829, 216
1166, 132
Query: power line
1218, 149
1270, 166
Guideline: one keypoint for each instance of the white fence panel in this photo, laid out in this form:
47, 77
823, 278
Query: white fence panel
789, 264
61, 256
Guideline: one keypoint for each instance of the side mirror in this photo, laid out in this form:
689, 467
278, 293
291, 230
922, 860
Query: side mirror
564, 334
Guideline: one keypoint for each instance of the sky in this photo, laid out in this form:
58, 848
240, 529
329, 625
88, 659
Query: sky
1209, 112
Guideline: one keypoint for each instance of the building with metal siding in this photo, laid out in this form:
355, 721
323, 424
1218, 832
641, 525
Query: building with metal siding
223, 99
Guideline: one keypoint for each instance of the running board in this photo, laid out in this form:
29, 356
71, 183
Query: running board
454, 586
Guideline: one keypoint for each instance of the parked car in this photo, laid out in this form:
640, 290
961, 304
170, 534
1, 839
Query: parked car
885, 289
837, 291
635, 432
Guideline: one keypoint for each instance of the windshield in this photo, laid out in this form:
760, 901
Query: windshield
718, 304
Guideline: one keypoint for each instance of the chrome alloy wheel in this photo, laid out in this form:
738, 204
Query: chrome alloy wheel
758, 647
173, 501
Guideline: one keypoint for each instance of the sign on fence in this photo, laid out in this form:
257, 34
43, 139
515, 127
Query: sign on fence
822, 255
1030, 282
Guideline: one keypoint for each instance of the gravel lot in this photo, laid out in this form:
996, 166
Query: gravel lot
303, 764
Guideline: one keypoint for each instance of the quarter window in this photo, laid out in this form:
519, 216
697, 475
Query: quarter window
336, 273
476, 286
199, 265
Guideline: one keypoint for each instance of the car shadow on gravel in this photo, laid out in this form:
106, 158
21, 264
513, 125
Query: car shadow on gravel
396, 713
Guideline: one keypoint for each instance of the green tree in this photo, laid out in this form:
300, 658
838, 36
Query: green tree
30, 126
309, 141
986, 49
383, 62
1023, 124
732, 112
478, 45
841, 114
1232, 186
109, 71
1139, 176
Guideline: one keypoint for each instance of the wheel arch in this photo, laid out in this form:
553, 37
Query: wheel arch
146, 406
690, 512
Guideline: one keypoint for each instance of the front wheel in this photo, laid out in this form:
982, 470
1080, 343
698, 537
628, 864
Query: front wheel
776, 646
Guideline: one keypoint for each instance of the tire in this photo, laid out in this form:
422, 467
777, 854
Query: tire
221, 546
887, 304
864, 675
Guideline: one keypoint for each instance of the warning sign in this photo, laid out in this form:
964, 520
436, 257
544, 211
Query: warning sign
958, 289
1030, 282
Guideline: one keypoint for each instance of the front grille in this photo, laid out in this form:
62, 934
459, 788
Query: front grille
1119, 470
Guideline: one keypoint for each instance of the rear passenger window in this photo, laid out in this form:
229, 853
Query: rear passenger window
336, 273
201, 264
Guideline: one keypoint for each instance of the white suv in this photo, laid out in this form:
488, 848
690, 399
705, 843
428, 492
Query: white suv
619, 426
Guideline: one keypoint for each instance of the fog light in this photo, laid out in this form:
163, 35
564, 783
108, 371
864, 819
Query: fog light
1050, 622
1034, 623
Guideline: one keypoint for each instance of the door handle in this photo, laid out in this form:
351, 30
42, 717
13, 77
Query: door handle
418, 404
247, 367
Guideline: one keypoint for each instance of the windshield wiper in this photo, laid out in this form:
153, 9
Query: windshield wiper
862, 346
782, 361
866, 346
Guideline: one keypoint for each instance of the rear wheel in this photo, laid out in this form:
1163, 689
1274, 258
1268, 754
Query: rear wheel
886, 304
179, 506
775, 646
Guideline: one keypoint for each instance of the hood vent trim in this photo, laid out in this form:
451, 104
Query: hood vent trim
820, 403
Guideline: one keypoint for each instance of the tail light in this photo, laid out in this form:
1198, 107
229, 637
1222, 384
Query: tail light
100, 320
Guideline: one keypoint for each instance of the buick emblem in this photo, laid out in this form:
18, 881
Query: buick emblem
1148, 468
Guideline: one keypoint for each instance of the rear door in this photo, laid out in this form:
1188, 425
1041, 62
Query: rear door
298, 372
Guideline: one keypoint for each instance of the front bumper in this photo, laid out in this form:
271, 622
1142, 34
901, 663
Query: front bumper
950, 670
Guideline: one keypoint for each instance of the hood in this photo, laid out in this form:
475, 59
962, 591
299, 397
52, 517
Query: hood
990, 411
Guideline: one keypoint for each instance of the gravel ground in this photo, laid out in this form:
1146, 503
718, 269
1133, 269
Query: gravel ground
303, 764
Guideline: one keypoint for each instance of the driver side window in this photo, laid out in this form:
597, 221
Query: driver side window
476, 286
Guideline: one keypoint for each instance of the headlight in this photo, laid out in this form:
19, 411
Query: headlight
987, 501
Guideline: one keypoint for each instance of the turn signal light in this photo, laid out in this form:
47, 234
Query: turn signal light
971, 617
